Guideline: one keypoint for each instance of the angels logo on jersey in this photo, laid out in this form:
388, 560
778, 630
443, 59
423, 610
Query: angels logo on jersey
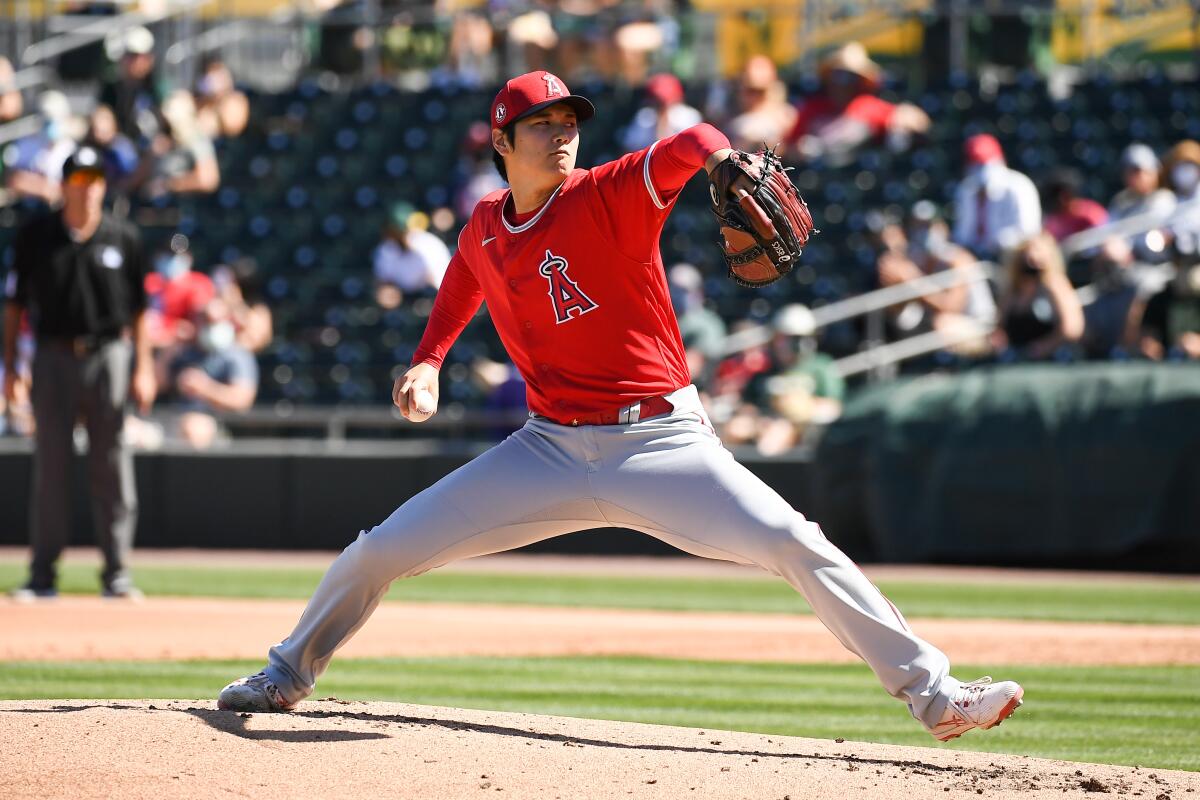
569, 300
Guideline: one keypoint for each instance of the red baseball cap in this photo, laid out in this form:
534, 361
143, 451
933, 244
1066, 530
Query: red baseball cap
982, 148
665, 89
531, 92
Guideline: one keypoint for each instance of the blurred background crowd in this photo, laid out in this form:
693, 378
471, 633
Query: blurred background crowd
994, 182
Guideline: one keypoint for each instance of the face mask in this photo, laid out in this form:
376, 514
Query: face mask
218, 337
927, 241
54, 131
1184, 177
172, 266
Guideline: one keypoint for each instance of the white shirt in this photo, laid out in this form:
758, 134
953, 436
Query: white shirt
1012, 211
422, 265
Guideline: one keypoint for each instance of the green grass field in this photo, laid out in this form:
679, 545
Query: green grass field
1167, 603
1144, 716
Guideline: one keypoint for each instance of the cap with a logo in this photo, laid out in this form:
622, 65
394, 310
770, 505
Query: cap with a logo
85, 159
530, 93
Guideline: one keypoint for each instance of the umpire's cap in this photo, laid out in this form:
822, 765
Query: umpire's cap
84, 159
531, 92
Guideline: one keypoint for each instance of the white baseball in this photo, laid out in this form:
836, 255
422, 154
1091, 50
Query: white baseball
423, 405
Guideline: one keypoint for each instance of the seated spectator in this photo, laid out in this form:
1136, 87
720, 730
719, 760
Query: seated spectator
764, 113
1167, 324
212, 374
120, 156
801, 387
1040, 314
925, 249
11, 102
476, 175
1116, 278
222, 111
175, 294
1140, 172
847, 114
184, 160
701, 328
33, 164
134, 92
1181, 166
662, 114
240, 287
995, 208
409, 259
1066, 212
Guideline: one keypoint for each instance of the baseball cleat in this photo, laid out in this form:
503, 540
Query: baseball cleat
30, 593
131, 593
253, 693
978, 704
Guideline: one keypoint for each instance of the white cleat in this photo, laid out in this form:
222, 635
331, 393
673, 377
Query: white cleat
978, 704
253, 693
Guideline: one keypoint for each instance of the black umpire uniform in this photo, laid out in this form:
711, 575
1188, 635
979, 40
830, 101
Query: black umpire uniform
84, 299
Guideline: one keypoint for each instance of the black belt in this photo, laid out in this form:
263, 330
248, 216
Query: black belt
84, 345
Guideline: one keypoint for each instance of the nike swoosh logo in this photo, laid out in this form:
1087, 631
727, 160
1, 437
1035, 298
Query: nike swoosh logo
489, 239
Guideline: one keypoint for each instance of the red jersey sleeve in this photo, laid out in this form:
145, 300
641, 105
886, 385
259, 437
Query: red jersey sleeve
638, 190
458, 298
874, 111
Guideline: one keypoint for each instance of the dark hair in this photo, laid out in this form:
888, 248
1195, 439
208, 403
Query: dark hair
510, 135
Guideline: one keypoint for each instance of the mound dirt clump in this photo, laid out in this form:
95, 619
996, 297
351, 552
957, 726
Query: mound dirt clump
164, 749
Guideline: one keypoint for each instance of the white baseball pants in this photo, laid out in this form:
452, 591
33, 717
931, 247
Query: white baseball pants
668, 476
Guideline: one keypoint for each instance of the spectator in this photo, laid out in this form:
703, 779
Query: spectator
662, 114
1115, 276
222, 112
176, 294
801, 387
212, 374
702, 330
89, 333
409, 259
134, 93
847, 114
1181, 166
995, 208
34, 163
1143, 194
472, 59
240, 286
11, 103
925, 249
765, 116
1040, 315
1167, 324
185, 160
1066, 212
477, 177
120, 156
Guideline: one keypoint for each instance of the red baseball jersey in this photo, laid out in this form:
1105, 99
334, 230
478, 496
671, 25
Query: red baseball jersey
577, 291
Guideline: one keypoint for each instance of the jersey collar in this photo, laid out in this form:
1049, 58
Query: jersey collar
533, 220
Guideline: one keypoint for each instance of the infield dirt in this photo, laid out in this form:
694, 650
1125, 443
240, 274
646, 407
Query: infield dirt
159, 749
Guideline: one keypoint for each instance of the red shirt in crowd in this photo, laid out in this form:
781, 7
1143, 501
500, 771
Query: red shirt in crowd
1080, 215
173, 300
818, 111
577, 290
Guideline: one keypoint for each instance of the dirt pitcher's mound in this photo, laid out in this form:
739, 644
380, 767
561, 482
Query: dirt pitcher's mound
163, 749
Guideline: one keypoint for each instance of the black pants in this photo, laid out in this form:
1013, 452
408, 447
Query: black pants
66, 385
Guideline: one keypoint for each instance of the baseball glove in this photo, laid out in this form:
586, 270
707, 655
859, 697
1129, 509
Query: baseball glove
764, 221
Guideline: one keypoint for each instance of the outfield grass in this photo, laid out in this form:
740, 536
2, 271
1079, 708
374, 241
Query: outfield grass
1174, 602
1147, 716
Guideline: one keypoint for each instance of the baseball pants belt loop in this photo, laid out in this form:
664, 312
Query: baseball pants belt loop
634, 412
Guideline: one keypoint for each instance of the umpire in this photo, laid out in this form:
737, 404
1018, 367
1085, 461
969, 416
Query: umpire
80, 273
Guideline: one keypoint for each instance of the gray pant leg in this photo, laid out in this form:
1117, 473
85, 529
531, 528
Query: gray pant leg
692, 494
528, 488
110, 462
55, 398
